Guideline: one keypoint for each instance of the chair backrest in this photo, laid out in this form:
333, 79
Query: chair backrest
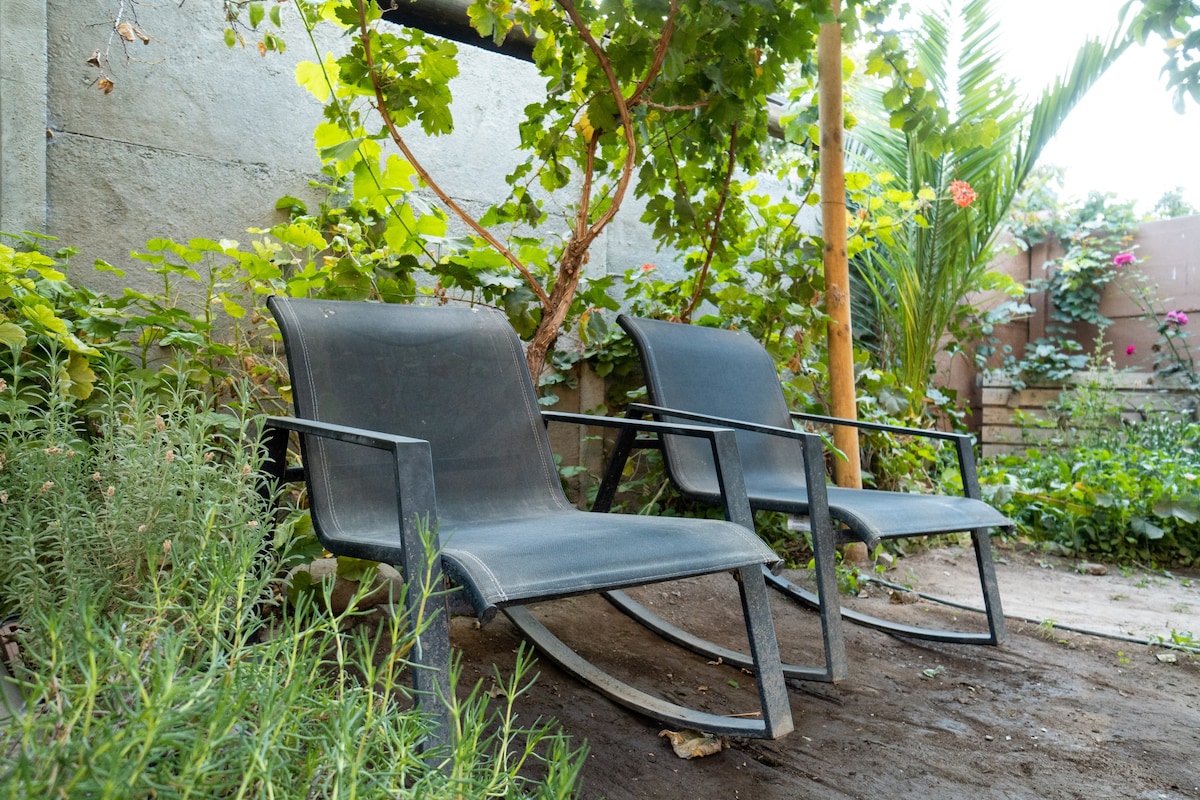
724, 373
454, 376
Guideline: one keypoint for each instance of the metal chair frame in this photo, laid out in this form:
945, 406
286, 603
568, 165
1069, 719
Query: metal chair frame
425, 547
823, 505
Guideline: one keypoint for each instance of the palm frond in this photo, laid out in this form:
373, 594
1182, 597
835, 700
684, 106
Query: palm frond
919, 281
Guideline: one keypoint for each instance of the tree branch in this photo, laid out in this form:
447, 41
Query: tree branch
660, 53
714, 226
614, 87
394, 132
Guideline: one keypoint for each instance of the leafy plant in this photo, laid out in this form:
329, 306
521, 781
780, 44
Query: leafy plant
41, 312
1174, 21
1172, 204
639, 98
1122, 493
155, 658
989, 140
1097, 236
1173, 360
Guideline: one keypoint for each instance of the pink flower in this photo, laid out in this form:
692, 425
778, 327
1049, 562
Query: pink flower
1131, 349
1177, 318
1121, 259
962, 193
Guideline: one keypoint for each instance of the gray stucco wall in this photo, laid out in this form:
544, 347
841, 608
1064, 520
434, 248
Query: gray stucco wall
198, 140
22, 115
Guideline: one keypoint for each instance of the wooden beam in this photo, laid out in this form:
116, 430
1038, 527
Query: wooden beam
847, 471
448, 19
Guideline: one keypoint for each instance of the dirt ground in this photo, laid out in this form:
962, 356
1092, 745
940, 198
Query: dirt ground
1048, 714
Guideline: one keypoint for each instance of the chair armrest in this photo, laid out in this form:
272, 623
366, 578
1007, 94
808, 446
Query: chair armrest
964, 445
962, 442
722, 440
342, 433
412, 464
879, 426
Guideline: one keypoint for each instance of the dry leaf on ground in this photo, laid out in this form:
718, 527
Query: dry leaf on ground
692, 744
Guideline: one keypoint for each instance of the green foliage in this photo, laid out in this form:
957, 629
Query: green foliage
155, 656
1097, 236
771, 287
201, 324
64, 523
40, 313
257, 11
155, 659
1174, 21
1171, 205
989, 140
906, 293
668, 101
1099, 488
1036, 214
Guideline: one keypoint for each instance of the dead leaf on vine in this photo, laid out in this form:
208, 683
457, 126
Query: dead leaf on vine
125, 31
105, 85
692, 744
95, 59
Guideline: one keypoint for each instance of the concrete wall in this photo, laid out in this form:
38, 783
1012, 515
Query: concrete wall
23, 67
197, 140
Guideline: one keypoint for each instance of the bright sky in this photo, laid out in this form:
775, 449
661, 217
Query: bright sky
1124, 136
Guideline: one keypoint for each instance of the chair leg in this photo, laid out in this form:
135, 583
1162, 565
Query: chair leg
991, 588
430, 658
825, 561
764, 649
991, 592
776, 711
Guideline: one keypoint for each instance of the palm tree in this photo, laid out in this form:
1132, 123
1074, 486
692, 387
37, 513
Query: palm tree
919, 281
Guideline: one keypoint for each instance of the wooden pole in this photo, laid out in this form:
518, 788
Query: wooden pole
847, 472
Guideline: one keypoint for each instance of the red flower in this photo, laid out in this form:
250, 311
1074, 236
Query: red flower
1131, 349
962, 193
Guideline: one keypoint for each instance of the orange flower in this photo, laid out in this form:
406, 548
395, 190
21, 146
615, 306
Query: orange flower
962, 193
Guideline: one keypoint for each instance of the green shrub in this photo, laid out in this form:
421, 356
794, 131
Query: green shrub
156, 658
1118, 491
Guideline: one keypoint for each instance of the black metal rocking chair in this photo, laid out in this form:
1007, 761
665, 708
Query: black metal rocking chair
727, 378
423, 446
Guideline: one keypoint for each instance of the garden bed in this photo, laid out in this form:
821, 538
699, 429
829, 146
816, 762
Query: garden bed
1137, 393
1050, 714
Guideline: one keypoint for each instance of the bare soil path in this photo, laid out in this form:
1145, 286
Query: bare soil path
1049, 714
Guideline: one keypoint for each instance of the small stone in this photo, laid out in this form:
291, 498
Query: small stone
1089, 568
856, 553
904, 598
